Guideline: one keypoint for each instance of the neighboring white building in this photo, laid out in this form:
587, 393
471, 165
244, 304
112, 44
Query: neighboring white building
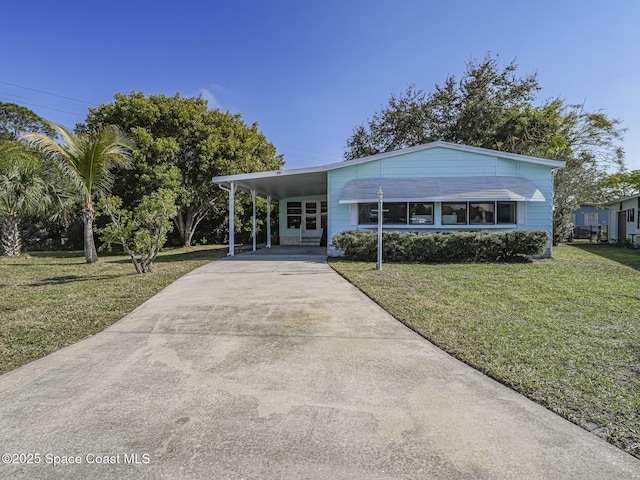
624, 220
437, 187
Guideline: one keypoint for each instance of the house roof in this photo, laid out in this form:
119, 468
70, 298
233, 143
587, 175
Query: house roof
623, 199
438, 189
313, 180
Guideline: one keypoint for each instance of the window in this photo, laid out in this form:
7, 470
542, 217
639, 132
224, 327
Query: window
323, 214
395, 213
590, 219
294, 214
421, 213
454, 213
481, 213
506, 212
367, 213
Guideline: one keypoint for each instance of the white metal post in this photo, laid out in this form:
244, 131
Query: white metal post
380, 217
268, 221
232, 217
253, 220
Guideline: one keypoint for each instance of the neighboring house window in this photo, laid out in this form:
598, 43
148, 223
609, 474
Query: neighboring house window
630, 215
421, 213
454, 213
590, 219
294, 214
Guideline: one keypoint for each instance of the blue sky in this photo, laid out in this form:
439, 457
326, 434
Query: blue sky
310, 71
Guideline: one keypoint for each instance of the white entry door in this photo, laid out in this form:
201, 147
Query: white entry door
314, 218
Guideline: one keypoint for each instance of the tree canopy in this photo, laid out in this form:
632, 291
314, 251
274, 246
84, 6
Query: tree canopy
493, 107
16, 120
180, 146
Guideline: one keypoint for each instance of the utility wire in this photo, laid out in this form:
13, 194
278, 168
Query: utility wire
47, 93
31, 104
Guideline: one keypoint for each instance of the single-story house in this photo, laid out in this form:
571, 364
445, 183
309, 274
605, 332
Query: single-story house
588, 220
436, 187
624, 219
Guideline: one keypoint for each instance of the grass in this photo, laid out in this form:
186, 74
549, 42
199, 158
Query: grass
49, 300
565, 332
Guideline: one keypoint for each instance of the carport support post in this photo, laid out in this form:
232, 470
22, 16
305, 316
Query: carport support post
268, 221
232, 218
253, 219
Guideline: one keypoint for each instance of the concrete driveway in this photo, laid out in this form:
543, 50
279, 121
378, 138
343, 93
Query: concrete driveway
271, 366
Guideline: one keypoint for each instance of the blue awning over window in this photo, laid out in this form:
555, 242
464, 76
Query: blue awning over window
442, 189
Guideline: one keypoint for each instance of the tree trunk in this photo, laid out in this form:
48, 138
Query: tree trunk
184, 222
90, 253
10, 243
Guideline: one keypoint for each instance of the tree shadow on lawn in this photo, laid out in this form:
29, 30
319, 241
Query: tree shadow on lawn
177, 255
73, 278
624, 256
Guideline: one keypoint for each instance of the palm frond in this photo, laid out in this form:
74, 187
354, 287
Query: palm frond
87, 159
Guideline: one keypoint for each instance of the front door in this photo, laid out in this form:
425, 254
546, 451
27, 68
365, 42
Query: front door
314, 218
622, 226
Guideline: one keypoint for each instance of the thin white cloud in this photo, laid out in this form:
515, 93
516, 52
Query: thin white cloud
211, 99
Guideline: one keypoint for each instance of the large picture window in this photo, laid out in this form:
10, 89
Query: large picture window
452, 213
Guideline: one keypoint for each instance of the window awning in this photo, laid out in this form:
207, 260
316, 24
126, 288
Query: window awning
442, 189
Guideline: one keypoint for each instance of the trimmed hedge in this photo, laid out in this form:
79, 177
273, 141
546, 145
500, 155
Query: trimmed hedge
478, 246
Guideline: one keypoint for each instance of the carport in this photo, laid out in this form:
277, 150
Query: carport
271, 185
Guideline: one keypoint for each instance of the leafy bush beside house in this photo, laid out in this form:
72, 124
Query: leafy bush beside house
481, 246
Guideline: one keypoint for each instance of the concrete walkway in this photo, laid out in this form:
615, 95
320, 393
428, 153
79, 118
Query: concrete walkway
271, 366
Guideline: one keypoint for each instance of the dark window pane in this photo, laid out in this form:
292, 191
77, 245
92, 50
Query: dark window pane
323, 207
310, 207
293, 221
323, 221
395, 214
294, 208
481, 213
310, 223
454, 213
507, 212
421, 213
367, 213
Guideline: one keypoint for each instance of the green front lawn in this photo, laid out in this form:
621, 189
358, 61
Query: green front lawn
565, 332
52, 299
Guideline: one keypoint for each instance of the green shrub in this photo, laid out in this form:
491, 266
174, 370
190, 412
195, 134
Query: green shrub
475, 246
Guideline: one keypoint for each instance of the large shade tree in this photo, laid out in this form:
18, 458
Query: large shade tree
493, 107
88, 159
180, 145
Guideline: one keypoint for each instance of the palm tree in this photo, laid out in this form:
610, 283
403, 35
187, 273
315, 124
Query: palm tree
88, 159
24, 189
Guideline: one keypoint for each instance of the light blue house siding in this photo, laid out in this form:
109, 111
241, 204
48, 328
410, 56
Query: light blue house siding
501, 191
441, 162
